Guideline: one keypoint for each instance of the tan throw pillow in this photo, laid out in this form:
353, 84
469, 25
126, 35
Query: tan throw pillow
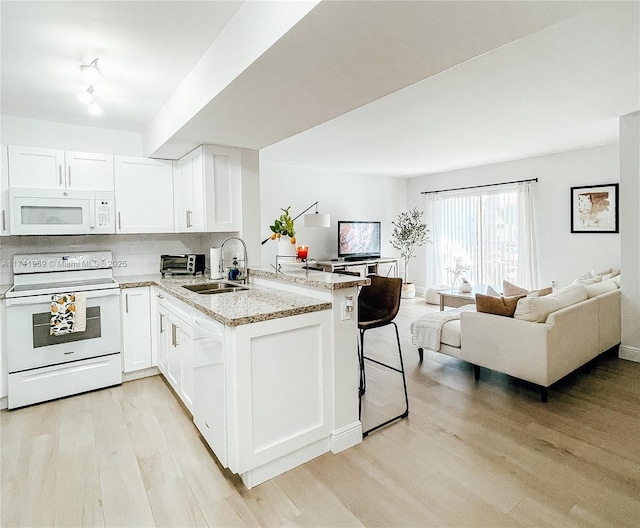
505, 306
510, 290
541, 292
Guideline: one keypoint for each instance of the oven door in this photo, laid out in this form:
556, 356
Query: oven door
30, 345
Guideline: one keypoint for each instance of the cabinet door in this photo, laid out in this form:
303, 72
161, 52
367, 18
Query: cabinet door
136, 328
4, 192
144, 195
173, 355
224, 199
164, 333
89, 171
36, 167
3, 352
191, 192
185, 343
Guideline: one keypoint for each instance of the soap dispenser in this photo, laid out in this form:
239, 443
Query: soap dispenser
234, 272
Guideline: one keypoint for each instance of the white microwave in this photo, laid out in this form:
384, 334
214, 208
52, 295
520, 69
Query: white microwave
61, 212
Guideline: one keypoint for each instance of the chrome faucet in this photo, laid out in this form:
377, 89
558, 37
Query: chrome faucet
244, 277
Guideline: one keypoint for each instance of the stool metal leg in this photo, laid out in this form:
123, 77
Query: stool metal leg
400, 370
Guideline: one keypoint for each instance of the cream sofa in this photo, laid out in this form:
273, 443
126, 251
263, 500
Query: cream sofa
548, 337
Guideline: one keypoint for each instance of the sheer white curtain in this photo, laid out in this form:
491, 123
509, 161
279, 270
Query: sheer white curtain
490, 231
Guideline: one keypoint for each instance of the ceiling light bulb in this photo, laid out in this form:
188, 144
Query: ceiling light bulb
86, 96
94, 108
91, 72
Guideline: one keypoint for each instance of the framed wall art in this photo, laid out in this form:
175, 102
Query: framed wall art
594, 209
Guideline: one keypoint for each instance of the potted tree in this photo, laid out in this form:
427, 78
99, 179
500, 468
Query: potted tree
409, 232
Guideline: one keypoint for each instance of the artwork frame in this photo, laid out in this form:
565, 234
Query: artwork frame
594, 208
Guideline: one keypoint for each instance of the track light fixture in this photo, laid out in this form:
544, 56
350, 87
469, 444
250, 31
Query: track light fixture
94, 108
91, 72
86, 96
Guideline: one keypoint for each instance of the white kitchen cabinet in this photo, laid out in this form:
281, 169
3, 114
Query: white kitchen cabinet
175, 354
208, 190
31, 167
4, 192
144, 195
136, 328
190, 192
3, 351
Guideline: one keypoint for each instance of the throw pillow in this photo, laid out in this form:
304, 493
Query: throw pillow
505, 306
492, 292
511, 290
541, 292
537, 309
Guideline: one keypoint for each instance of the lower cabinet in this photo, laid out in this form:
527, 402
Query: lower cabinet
260, 394
136, 328
175, 347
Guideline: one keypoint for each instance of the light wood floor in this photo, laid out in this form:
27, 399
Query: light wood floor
470, 454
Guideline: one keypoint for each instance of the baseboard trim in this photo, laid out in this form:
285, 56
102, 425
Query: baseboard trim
137, 374
346, 437
629, 353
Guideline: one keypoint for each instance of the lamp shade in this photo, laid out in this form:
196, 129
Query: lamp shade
317, 220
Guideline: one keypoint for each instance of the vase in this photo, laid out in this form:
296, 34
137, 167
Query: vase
285, 247
453, 284
408, 290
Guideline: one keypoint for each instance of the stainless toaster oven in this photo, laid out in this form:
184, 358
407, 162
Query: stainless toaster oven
190, 264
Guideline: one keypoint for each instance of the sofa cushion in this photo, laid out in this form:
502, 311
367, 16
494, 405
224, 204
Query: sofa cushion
537, 309
600, 288
505, 306
450, 334
617, 280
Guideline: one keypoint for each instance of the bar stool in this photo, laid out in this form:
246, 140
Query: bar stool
378, 305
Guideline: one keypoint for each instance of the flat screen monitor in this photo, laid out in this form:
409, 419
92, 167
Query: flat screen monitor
358, 239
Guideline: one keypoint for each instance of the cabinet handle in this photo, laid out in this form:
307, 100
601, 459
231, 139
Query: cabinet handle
4, 220
60, 175
173, 334
159, 296
119, 222
188, 218
126, 303
161, 328
69, 176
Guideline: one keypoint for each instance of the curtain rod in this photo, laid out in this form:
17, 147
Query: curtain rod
480, 186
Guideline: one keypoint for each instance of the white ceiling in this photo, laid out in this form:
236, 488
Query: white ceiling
395, 88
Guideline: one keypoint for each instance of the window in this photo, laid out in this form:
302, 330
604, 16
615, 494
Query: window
490, 231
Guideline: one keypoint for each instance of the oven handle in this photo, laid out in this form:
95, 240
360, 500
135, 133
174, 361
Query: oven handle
39, 299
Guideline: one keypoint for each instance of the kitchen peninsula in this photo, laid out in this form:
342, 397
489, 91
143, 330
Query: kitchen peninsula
269, 373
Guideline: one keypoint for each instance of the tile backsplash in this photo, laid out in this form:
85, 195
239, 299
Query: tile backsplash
138, 254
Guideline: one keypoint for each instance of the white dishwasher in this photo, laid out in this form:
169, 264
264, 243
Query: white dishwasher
209, 402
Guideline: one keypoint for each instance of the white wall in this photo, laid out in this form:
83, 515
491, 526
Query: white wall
47, 134
562, 255
344, 196
630, 234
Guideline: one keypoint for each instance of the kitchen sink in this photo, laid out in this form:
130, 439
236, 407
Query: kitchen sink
215, 287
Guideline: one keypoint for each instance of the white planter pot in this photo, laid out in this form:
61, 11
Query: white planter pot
285, 247
408, 290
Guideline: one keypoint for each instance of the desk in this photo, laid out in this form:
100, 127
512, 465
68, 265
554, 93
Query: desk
455, 298
386, 266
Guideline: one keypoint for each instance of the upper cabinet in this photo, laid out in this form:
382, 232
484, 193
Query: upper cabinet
144, 195
58, 169
4, 192
208, 190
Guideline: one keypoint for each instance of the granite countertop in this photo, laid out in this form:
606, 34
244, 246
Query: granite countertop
3, 289
257, 303
314, 278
